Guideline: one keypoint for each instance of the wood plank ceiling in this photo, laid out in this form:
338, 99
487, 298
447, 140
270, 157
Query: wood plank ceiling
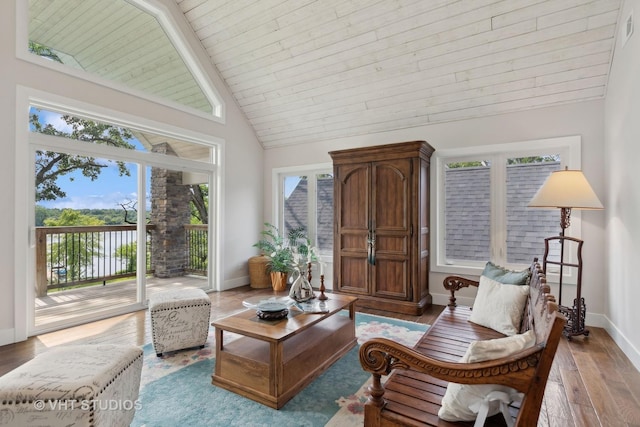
312, 70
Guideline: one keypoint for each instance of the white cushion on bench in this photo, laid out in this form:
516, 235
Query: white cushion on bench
459, 398
499, 306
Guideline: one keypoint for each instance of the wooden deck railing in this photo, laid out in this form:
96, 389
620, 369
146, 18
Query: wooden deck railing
197, 248
68, 256
76, 255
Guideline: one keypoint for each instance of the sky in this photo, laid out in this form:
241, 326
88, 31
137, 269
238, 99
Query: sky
106, 192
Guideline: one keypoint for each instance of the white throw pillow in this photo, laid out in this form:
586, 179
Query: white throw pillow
458, 398
499, 306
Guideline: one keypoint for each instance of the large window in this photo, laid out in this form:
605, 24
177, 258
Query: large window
128, 44
307, 201
482, 197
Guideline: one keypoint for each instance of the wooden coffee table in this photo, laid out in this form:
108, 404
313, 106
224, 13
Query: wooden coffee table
274, 360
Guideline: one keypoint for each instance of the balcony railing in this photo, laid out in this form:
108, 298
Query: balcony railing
86, 255
69, 256
197, 249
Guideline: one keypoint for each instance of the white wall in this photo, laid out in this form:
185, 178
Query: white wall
584, 119
242, 214
622, 200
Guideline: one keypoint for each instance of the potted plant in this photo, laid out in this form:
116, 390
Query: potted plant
274, 247
285, 255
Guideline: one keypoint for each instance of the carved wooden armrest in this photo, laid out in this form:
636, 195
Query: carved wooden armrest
380, 356
455, 283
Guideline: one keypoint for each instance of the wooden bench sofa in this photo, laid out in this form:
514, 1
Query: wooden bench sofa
412, 394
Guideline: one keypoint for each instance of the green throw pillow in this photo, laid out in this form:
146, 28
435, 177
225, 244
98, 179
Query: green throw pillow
504, 276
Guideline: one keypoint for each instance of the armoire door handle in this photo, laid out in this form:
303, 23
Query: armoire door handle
371, 247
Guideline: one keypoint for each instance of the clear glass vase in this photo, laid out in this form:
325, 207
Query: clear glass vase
301, 289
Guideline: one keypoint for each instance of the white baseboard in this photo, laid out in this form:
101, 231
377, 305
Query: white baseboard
7, 336
235, 283
625, 345
596, 320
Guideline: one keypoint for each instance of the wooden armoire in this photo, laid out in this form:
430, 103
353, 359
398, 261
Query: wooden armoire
381, 236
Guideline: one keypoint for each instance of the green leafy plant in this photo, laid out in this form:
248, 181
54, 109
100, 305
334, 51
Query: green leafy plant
286, 254
274, 247
303, 251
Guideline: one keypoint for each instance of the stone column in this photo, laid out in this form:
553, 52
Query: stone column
169, 213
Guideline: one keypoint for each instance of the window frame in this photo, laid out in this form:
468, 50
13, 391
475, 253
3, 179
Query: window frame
569, 148
170, 26
278, 177
24, 202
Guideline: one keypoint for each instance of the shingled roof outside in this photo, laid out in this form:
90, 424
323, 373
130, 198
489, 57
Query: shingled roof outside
468, 206
296, 213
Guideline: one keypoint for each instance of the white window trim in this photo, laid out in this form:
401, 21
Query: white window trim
25, 192
169, 25
569, 147
277, 180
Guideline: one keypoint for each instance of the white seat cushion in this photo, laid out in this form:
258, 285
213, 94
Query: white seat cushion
460, 398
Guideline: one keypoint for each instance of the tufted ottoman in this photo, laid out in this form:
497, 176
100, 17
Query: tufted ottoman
79, 385
179, 319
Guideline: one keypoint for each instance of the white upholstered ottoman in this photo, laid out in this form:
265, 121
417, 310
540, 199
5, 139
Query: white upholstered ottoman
179, 319
79, 385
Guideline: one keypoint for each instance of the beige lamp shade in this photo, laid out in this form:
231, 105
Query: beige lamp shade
566, 189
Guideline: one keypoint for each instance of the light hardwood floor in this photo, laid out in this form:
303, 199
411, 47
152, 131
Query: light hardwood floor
592, 383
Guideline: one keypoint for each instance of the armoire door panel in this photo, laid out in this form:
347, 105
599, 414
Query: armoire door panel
353, 242
354, 275
354, 196
391, 278
390, 194
397, 245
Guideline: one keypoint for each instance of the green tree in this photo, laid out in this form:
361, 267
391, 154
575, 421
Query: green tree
199, 204
533, 159
475, 164
43, 213
44, 51
73, 250
51, 165
129, 252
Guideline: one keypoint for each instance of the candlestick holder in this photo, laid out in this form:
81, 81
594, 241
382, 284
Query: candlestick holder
322, 296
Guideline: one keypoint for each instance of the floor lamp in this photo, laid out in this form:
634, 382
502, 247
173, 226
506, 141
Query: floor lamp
567, 189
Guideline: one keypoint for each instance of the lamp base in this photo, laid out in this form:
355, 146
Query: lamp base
575, 319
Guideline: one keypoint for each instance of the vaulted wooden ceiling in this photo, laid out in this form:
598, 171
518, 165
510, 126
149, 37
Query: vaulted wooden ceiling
311, 70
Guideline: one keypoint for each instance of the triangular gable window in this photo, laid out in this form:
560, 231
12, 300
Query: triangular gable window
131, 45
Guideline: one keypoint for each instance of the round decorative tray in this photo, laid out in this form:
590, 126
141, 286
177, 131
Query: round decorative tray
271, 306
272, 315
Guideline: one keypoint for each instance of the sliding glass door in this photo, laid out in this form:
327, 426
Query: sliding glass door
114, 223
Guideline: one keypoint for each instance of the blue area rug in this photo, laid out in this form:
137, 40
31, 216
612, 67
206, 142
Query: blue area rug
176, 390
